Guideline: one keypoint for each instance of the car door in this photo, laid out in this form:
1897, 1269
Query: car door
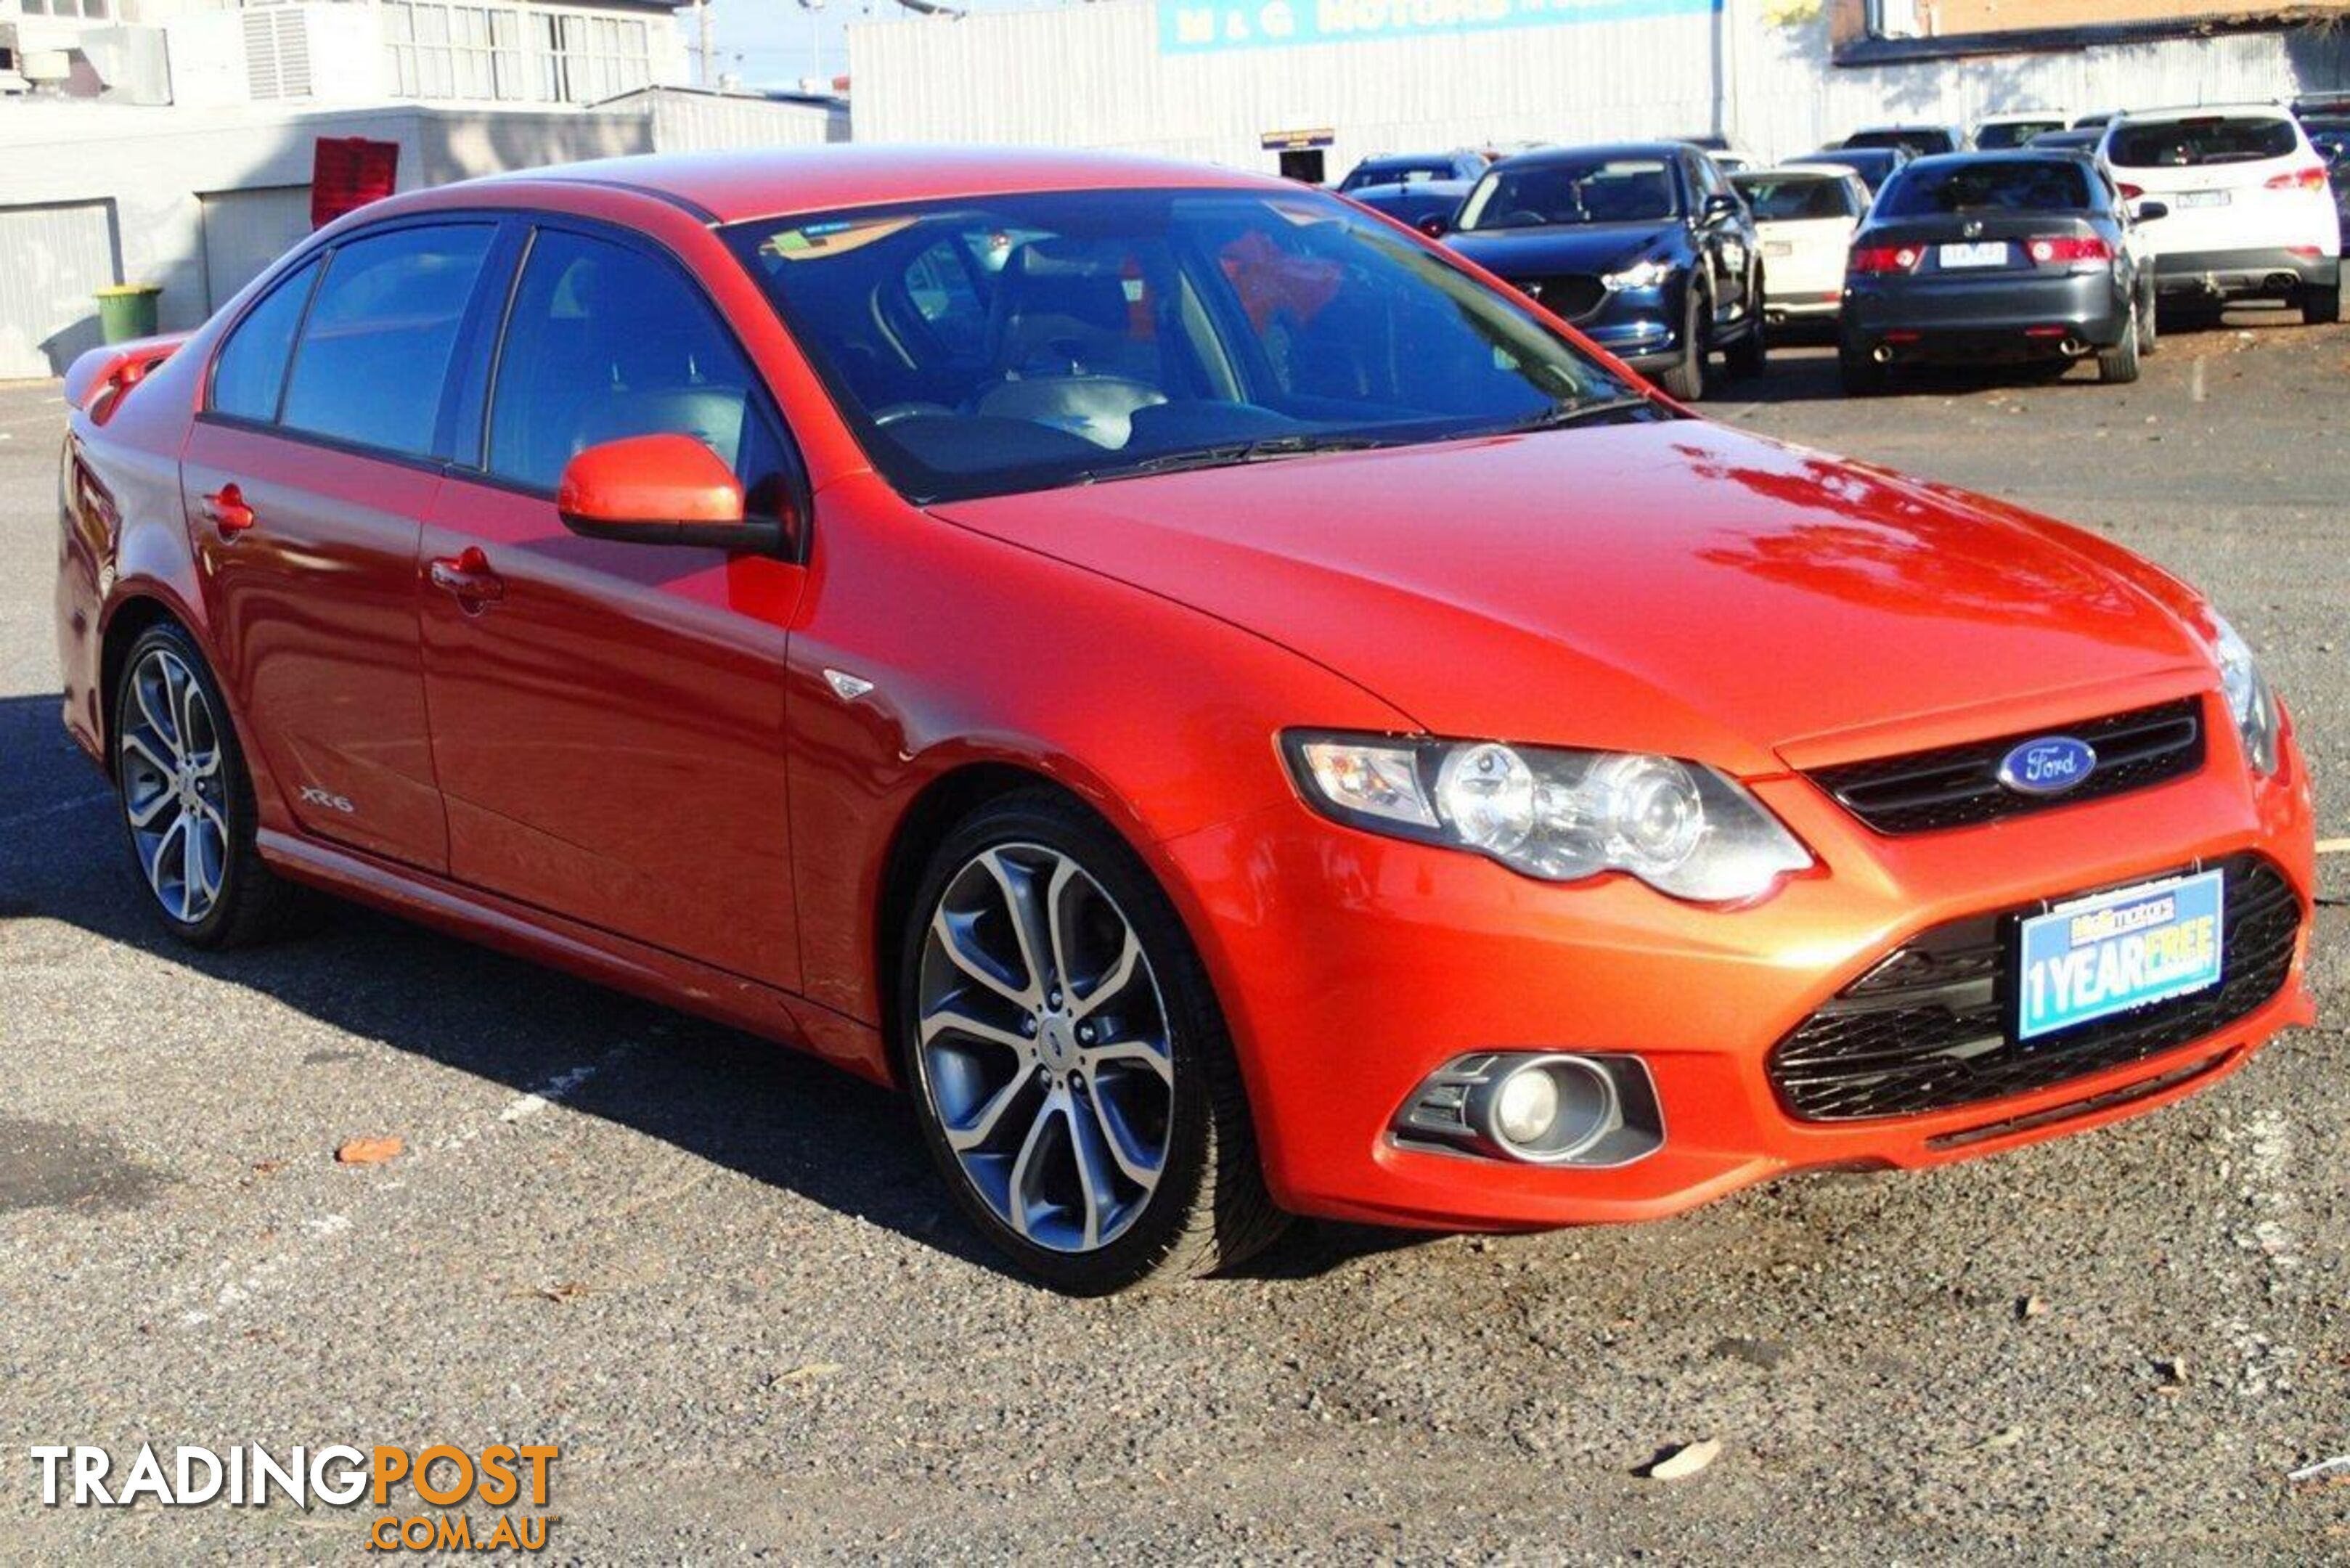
607, 718
1725, 239
306, 478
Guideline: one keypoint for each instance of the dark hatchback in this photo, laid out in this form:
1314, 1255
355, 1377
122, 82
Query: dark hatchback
1643, 246
2330, 134
1874, 165
2006, 257
1422, 189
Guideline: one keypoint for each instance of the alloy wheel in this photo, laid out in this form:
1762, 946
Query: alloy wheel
1044, 1048
174, 785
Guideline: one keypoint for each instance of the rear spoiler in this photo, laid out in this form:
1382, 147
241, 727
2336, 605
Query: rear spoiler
99, 379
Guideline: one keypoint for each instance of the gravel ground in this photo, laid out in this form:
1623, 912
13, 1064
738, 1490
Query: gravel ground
723, 1280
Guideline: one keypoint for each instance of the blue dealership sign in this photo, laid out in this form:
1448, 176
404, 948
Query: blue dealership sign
1203, 26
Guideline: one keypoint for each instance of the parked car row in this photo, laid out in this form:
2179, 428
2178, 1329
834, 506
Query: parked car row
2027, 240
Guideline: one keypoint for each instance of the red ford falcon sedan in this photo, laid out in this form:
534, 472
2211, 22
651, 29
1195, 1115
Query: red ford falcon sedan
1233, 711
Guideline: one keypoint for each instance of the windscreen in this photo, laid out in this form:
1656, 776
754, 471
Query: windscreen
1393, 171
1794, 199
2019, 186
1600, 189
2010, 133
987, 347
2193, 143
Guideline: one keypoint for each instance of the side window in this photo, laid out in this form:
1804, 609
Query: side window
375, 350
939, 281
250, 374
603, 342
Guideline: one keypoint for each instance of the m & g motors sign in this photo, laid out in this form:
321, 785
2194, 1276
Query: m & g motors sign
1200, 26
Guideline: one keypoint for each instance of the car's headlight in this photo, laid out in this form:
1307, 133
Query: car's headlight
1558, 814
2249, 699
1640, 274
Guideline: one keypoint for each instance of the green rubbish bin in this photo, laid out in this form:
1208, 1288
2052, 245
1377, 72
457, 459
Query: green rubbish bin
127, 311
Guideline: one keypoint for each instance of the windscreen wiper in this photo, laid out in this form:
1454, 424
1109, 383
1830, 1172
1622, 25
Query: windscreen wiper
1567, 414
1229, 453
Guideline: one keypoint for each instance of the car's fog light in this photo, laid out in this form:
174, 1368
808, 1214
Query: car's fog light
1526, 1109
1543, 1108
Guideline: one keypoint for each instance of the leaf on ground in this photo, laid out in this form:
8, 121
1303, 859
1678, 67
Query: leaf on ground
1686, 1460
369, 1150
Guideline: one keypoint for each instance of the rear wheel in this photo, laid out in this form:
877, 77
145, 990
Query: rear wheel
2118, 365
1685, 381
2321, 304
1067, 1060
186, 798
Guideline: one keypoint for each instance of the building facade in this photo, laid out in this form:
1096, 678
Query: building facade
1241, 82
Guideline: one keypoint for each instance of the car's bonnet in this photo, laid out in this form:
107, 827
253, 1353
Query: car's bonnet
1670, 585
1584, 247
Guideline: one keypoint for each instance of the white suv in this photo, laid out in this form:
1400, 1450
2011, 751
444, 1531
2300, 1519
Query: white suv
2246, 210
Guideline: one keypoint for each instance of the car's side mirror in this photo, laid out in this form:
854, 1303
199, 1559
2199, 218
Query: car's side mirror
665, 489
2147, 212
1436, 226
1718, 209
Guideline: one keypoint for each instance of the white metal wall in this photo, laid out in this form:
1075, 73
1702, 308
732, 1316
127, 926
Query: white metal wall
244, 231
1091, 75
56, 256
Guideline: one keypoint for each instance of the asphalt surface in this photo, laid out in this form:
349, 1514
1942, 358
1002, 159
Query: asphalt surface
724, 1281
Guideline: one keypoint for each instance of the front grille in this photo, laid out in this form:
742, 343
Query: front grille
1931, 1026
1571, 294
1958, 786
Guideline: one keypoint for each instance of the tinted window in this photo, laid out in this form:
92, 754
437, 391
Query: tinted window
1781, 199
603, 342
2013, 133
375, 350
1398, 172
1133, 327
1871, 163
2191, 143
251, 371
1572, 191
2023, 186
1923, 141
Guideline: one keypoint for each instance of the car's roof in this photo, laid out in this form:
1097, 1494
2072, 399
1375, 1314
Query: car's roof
729, 186
1808, 172
1579, 152
2010, 115
2208, 112
1996, 155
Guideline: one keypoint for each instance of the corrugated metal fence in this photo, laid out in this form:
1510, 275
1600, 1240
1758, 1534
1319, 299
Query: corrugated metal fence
1092, 76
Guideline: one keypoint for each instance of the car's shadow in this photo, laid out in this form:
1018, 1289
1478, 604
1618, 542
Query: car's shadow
1803, 364
741, 1103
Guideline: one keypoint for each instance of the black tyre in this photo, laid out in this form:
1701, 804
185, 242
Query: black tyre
1686, 379
186, 798
2321, 304
1066, 1057
1749, 356
2149, 338
1861, 376
2118, 365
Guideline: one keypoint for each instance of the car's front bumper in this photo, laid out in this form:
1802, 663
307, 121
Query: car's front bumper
1351, 966
2271, 272
1997, 315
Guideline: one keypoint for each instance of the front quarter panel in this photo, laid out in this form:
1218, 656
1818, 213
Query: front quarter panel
983, 652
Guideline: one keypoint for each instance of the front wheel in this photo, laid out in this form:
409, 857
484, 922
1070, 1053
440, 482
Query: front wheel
1067, 1060
1686, 379
1749, 356
186, 798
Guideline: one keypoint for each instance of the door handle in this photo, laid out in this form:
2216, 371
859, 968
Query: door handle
467, 576
228, 513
